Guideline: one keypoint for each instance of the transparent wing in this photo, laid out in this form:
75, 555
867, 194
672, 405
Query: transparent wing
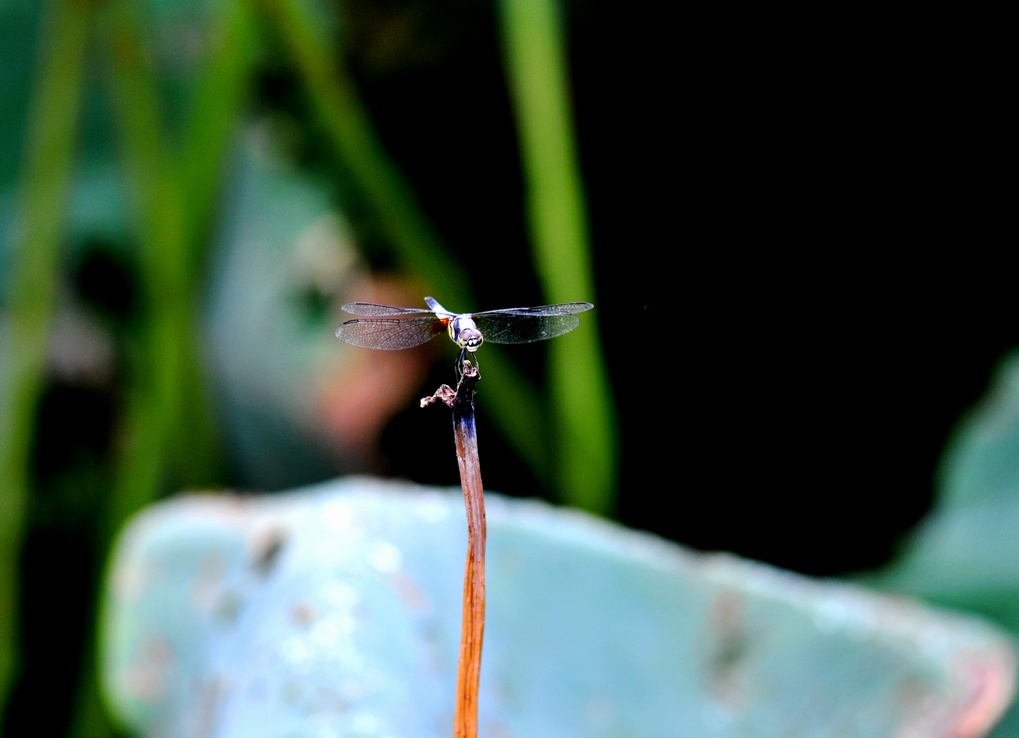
562, 308
370, 309
390, 334
526, 325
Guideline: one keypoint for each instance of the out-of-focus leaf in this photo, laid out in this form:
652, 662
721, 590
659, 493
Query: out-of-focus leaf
269, 358
966, 554
337, 608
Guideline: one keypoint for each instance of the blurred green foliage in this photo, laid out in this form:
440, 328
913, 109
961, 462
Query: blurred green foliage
134, 109
965, 553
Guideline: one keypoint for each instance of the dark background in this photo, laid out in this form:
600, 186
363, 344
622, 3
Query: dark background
800, 252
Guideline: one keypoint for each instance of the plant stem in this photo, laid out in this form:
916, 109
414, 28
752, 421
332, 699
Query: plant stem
472, 627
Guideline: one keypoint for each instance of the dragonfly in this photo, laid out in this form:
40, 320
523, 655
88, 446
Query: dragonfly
392, 328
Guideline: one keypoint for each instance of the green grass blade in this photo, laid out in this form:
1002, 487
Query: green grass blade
217, 108
153, 405
154, 397
48, 164
167, 428
221, 91
535, 59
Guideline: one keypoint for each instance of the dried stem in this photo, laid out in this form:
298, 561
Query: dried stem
472, 629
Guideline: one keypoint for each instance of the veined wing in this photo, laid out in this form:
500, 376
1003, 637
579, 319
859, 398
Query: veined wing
370, 309
526, 325
390, 334
562, 308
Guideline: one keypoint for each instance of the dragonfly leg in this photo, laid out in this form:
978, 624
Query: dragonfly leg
460, 363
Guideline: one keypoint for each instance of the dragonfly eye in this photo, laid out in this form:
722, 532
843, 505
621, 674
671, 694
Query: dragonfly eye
470, 339
465, 333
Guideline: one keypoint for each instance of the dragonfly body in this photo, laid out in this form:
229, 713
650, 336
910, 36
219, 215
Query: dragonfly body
462, 329
390, 328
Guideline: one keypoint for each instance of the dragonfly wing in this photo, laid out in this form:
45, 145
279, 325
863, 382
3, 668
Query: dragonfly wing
370, 309
390, 334
521, 327
528, 324
563, 308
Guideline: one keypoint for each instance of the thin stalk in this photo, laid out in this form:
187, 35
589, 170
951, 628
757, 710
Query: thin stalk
536, 66
472, 626
48, 162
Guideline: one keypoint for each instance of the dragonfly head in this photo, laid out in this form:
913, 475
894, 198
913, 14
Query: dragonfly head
465, 333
